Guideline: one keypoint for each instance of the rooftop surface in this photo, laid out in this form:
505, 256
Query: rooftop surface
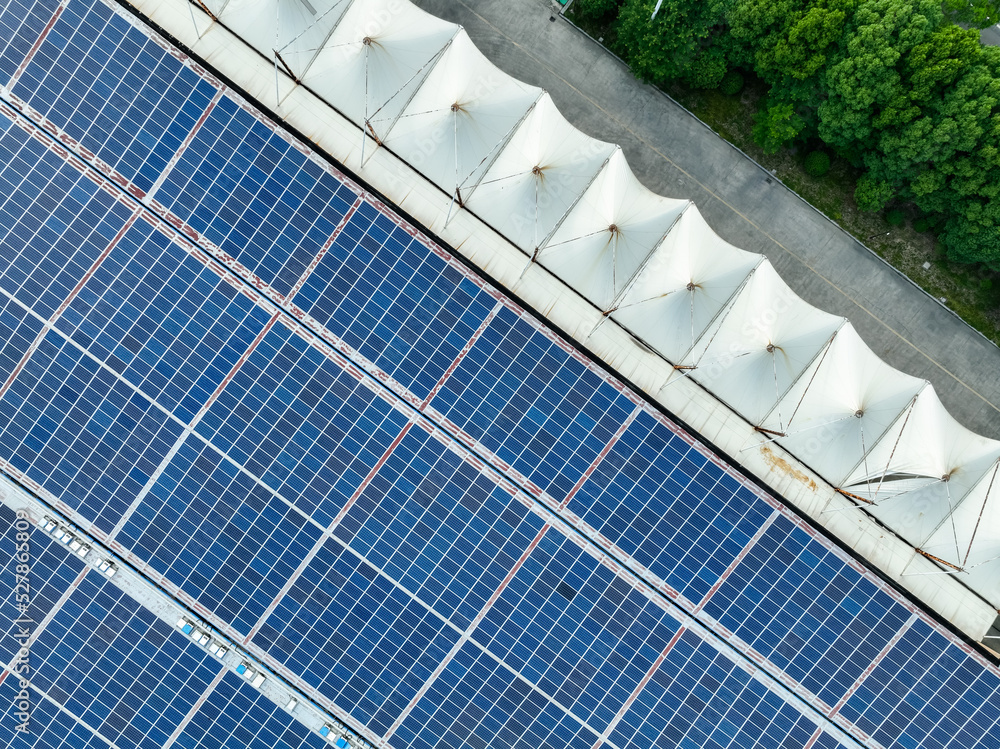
287, 413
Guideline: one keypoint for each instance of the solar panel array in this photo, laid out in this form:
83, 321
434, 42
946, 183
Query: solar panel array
268, 394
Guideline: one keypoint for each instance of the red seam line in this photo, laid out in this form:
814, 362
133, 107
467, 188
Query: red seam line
93, 268
464, 638
461, 355
325, 248
38, 43
183, 146
3, 676
336, 521
873, 665
232, 372
639, 687
736, 562
368, 479
601, 456
74, 148
195, 708
814, 738
66, 302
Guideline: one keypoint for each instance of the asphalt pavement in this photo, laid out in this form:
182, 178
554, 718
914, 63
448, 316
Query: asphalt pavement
676, 155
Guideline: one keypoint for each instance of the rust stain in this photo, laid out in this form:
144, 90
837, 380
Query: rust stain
781, 465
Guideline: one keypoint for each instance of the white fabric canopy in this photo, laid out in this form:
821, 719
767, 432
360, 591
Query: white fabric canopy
763, 342
687, 281
605, 238
459, 119
841, 406
537, 177
295, 29
376, 58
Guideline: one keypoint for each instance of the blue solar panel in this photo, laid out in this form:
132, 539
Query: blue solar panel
927, 693
702, 700
111, 88
236, 716
18, 329
398, 305
163, 320
800, 606
526, 400
51, 728
439, 526
52, 570
115, 666
21, 22
436, 564
303, 425
54, 222
82, 433
576, 630
365, 643
218, 535
252, 194
657, 498
476, 703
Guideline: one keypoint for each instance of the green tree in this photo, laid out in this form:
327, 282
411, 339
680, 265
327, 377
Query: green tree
595, 8
670, 47
775, 125
978, 13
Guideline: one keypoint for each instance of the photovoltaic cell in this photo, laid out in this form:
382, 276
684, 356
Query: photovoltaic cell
363, 642
114, 665
700, 699
300, 423
54, 222
108, 86
398, 305
805, 610
163, 320
51, 728
440, 527
53, 569
589, 652
218, 535
82, 433
475, 703
664, 504
926, 693
18, 329
21, 22
236, 716
248, 191
526, 400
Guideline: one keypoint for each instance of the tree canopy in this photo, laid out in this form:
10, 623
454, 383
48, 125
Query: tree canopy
894, 86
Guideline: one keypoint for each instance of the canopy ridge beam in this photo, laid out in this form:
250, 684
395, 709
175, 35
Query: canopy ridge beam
288, 69
201, 4
430, 66
979, 518
494, 153
722, 313
939, 560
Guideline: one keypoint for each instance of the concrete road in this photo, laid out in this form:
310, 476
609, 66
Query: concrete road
674, 154
990, 35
